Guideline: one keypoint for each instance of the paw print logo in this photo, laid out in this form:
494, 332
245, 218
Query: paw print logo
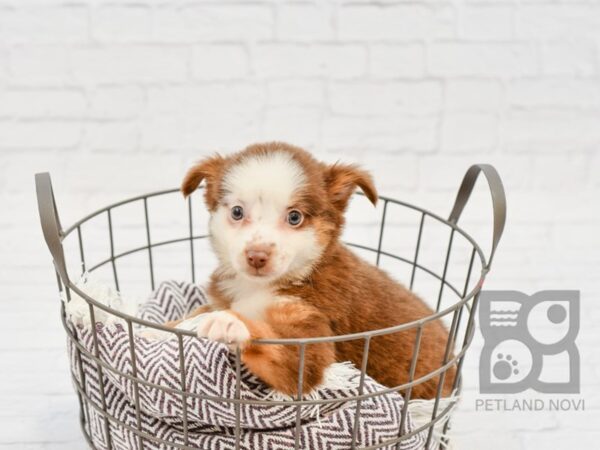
505, 367
522, 334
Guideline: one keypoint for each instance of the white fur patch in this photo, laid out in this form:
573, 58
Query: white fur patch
275, 176
250, 298
221, 326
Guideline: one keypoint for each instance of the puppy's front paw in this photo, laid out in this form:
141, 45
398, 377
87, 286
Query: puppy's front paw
222, 326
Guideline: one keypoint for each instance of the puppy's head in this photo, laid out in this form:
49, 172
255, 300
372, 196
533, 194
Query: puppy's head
275, 209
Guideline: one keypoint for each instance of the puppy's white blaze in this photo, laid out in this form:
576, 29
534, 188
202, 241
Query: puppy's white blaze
274, 177
250, 298
264, 185
302, 249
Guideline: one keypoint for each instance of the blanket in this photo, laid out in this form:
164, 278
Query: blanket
210, 376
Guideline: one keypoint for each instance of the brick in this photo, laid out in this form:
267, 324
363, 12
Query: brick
166, 100
515, 170
514, 420
44, 24
295, 92
574, 422
281, 125
85, 172
443, 172
396, 61
557, 93
42, 103
469, 132
560, 172
393, 172
214, 130
203, 116
568, 58
479, 59
4, 64
486, 22
411, 98
116, 102
381, 133
39, 135
562, 440
219, 62
595, 169
549, 131
305, 22
558, 21
39, 65
206, 99
289, 60
531, 207
21, 166
112, 136
55, 366
162, 133
114, 64
212, 23
396, 22
202, 129
473, 95
131, 23
576, 236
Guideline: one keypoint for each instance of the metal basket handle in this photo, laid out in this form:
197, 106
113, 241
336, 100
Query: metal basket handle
51, 223
498, 200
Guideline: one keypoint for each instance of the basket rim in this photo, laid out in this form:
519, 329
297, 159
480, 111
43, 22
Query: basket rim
463, 299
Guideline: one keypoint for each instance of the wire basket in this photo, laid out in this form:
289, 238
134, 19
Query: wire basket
453, 291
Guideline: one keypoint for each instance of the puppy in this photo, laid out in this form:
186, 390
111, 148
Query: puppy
276, 219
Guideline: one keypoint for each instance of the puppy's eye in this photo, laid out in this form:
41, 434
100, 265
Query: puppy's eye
295, 218
237, 213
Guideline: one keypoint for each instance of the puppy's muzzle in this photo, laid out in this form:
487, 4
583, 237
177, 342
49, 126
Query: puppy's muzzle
258, 258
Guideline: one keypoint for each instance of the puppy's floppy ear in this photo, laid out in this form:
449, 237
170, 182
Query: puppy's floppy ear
342, 179
209, 169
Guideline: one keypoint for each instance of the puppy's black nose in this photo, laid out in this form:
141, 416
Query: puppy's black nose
257, 258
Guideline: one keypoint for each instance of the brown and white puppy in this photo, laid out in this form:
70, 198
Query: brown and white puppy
276, 219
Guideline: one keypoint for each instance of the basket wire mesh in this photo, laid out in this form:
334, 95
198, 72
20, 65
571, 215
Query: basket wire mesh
459, 335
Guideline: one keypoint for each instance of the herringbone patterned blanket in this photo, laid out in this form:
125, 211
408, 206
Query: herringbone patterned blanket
210, 372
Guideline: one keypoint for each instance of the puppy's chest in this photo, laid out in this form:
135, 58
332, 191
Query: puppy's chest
250, 299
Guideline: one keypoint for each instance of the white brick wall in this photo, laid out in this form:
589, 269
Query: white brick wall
117, 98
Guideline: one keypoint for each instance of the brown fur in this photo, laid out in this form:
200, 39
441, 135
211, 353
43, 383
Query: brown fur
342, 294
